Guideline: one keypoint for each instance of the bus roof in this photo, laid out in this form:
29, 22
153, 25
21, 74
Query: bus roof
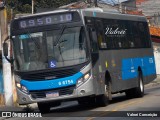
113, 15
95, 12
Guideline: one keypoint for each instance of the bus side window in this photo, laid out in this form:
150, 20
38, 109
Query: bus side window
93, 39
143, 31
100, 34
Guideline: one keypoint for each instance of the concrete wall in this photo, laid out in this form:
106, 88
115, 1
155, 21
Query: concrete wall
155, 20
156, 47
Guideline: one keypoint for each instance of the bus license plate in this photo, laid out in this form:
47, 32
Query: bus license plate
52, 94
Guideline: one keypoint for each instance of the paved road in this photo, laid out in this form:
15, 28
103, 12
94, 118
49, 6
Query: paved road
71, 110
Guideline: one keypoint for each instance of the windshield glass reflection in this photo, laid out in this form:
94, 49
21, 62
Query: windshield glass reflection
50, 49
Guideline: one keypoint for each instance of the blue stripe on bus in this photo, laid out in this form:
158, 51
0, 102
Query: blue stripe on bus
130, 67
51, 84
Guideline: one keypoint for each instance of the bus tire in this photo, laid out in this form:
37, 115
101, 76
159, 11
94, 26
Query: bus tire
129, 93
43, 107
82, 102
139, 91
103, 100
55, 104
87, 101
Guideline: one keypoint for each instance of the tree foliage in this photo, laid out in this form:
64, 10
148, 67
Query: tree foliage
52, 3
19, 6
25, 6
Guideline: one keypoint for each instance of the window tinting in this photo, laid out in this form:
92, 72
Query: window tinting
121, 34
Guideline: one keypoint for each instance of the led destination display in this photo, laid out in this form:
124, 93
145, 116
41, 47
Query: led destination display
45, 20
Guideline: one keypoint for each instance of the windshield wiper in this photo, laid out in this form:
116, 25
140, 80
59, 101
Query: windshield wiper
33, 39
36, 43
58, 40
60, 35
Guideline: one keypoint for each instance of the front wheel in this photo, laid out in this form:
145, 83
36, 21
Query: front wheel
87, 101
103, 100
43, 107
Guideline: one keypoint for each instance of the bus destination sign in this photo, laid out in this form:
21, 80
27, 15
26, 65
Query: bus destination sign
45, 20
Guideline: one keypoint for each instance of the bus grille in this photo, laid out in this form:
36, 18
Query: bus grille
42, 93
49, 75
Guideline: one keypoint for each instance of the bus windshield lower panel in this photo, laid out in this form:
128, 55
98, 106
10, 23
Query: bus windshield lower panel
50, 49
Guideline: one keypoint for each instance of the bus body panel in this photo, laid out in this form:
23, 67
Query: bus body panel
122, 64
127, 77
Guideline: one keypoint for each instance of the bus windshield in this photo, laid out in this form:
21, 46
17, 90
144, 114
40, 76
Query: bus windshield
50, 49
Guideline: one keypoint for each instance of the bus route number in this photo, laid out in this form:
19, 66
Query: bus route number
65, 82
45, 20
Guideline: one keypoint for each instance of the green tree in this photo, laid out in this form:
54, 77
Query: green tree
25, 6
52, 3
19, 6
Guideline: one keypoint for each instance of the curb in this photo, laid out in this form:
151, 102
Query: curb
153, 83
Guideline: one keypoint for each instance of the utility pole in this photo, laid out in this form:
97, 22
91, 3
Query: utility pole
95, 3
11, 13
32, 6
120, 7
7, 79
125, 10
158, 19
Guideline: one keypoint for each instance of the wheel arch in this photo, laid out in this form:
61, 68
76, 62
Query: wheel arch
140, 71
107, 77
108, 82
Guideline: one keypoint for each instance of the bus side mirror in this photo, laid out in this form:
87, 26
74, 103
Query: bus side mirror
5, 49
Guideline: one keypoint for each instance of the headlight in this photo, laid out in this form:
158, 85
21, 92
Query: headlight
17, 80
83, 79
19, 86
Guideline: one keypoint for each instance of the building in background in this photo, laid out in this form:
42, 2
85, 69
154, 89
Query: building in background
120, 5
151, 9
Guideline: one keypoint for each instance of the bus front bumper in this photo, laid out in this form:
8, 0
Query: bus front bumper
86, 89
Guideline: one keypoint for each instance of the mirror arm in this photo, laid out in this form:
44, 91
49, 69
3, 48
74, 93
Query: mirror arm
7, 38
9, 60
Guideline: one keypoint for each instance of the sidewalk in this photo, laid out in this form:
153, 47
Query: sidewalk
154, 83
22, 108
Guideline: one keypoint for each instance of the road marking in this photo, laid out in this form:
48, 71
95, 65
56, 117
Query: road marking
128, 104
116, 108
